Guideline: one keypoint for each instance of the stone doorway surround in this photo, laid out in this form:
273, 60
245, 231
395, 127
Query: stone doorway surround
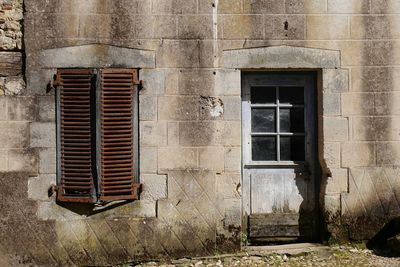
333, 128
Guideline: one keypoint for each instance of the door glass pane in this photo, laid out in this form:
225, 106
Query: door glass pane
263, 120
292, 148
263, 95
291, 120
291, 95
263, 148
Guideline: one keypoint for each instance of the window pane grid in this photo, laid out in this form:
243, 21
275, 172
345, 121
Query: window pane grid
293, 131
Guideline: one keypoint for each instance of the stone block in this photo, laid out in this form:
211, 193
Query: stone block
263, 6
228, 82
177, 158
206, 6
196, 82
387, 103
195, 27
95, 26
175, 7
14, 86
243, 27
11, 63
153, 81
335, 80
34, 6
305, 6
378, 53
14, 134
178, 108
232, 108
3, 109
375, 27
67, 219
3, 160
349, 6
56, 6
232, 213
171, 82
37, 81
142, 6
211, 108
64, 25
338, 183
185, 54
280, 57
374, 79
388, 153
328, 27
232, 159
46, 108
22, 109
358, 104
331, 104
358, 154
229, 6
47, 160
383, 128
385, 6
332, 155
228, 186
332, 204
95, 56
123, 27
153, 133
147, 108
173, 133
73, 6
156, 26
336, 129
23, 160
127, 7
287, 27
38, 187
209, 133
211, 158
148, 159
154, 186
42, 134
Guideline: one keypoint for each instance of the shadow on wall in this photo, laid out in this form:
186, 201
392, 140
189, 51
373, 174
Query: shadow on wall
385, 242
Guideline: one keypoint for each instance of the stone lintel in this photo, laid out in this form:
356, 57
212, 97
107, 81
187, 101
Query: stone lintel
96, 56
280, 57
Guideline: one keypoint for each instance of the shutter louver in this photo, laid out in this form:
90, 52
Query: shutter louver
76, 140
117, 134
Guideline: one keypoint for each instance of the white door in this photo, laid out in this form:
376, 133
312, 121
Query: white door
279, 156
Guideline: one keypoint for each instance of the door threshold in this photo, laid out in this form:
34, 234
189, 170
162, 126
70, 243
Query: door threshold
291, 249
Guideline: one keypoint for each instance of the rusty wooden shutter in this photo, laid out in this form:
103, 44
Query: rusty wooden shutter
117, 115
75, 138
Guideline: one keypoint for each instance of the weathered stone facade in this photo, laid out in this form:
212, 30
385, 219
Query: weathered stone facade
190, 118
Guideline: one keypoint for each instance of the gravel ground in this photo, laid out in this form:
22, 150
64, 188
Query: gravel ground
325, 256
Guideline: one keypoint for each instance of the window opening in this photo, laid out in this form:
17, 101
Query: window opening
277, 123
97, 135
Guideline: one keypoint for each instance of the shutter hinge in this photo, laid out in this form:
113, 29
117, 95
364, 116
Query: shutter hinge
54, 83
139, 83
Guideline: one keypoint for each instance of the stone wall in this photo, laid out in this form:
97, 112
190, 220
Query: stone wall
15, 112
190, 145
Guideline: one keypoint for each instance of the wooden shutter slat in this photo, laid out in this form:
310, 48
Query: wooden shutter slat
77, 182
117, 136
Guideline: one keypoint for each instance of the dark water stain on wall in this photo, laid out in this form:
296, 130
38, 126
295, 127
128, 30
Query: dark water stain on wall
376, 78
